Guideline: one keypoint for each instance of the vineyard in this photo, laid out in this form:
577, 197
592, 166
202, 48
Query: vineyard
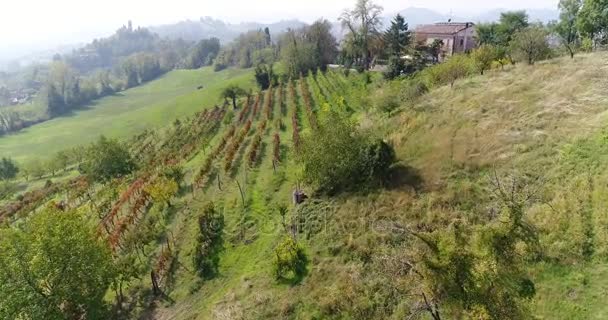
242, 164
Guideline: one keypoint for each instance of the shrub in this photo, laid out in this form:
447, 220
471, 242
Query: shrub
107, 159
209, 242
411, 90
337, 157
289, 260
387, 99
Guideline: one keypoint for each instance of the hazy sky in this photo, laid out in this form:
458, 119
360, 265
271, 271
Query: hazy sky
25, 23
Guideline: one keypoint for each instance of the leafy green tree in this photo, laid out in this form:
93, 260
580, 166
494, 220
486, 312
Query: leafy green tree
456, 67
203, 53
289, 260
53, 267
435, 49
483, 57
487, 34
593, 21
530, 45
337, 157
54, 165
325, 47
8, 169
566, 27
209, 241
510, 23
107, 159
33, 168
264, 76
363, 23
232, 92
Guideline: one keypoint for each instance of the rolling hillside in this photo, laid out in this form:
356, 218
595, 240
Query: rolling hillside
153, 104
540, 130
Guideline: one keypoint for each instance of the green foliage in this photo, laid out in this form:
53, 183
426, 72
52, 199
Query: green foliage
163, 190
337, 157
209, 242
530, 45
566, 27
483, 57
289, 260
456, 67
8, 169
203, 53
308, 49
592, 20
264, 76
363, 23
107, 159
53, 267
232, 92
397, 38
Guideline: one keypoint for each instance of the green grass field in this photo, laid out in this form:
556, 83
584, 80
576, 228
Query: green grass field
153, 104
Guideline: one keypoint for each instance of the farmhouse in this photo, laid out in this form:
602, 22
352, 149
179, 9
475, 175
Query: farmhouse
457, 37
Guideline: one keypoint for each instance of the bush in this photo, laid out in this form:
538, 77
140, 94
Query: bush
209, 242
337, 157
107, 159
289, 260
387, 98
411, 90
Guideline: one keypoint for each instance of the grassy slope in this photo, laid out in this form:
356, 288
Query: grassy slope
528, 120
519, 119
153, 104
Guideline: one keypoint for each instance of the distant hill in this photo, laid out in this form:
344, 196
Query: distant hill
207, 27
542, 15
417, 16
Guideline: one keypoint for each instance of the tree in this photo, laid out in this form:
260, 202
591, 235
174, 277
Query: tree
203, 53
397, 38
479, 272
264, 76
530, 44
337, 157
107, 159
363, 22
54, 165
53, 267
566, 27
163, 190
435, 49
487, 34
324, 43
456, 67
289, 259
483, 57
209, 241
232, 92
8, 169
510, 23
33, 168
592, 20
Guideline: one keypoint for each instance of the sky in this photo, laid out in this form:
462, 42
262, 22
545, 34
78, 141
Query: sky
37, 23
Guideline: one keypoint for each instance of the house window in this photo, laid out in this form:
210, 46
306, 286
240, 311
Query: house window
461, 42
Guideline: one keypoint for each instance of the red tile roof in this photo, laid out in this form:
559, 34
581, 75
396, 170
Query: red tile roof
443, 28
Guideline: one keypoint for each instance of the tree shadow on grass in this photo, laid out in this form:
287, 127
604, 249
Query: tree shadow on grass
404, 176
